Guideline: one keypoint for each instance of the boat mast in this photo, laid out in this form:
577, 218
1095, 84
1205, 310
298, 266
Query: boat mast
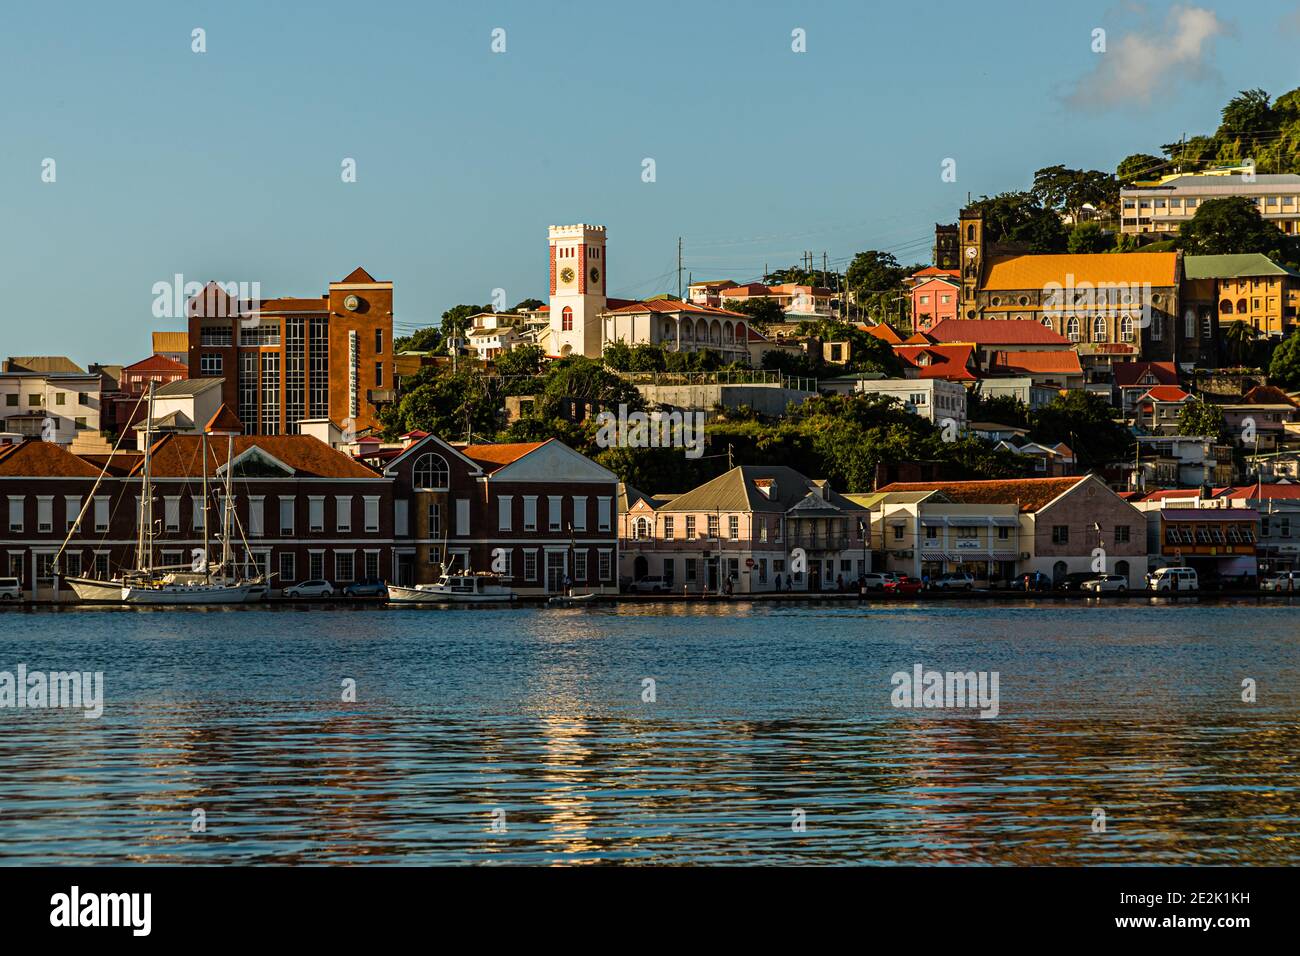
207, 571
144, 543
227, 558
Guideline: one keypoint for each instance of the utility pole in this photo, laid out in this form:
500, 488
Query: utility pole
679, 267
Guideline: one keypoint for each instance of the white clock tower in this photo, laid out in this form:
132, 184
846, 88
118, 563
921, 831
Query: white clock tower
577, 289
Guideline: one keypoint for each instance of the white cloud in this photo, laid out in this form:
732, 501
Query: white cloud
1143, 64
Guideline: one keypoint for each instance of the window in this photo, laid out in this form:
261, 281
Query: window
372, 514
713, 525
343, 512
530, 512
530, 565
507, 566
379, 375
603, 565
580, 513
566, 320
44, 513
286, 517
504, 517
288, 570
431, 473
71, 511
690, 526
101, 514
401, 518
580, 565
555, 512
210, 363
898, 532
1122, 534
370, 562
1099, 329
316, 517
344, 565
1072, 330
316, 565
1060, 534
641, 529
603, 513
668, 527
379, 341
172, 514
433, 526
733, 527
462, 516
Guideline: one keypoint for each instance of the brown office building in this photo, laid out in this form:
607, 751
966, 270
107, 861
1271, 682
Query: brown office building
286, 360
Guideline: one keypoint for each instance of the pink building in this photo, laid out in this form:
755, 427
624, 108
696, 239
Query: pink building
935, 295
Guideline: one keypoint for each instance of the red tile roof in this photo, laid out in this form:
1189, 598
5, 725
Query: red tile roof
938, 361
41, 459
883, 331
996, 332
157, 363
179, 456
1031, 493
223, 421
1267, 395
1127, 374
359, 275
672, 305
1166, 393
1046, 362
932, 271
495, 457
1261, 491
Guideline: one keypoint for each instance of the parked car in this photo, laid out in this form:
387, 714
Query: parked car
1173, 579
954, 581
1281, 581
309, 589
904, 585
877, 580
11, 589
1075, 580
370, 587
1032, 581
1103, 583
651, 586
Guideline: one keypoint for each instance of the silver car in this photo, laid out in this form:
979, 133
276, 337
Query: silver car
1282, 581
1106, 582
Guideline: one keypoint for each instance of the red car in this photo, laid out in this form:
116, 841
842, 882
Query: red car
903, 585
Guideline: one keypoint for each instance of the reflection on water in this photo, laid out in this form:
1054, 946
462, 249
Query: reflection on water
538, 714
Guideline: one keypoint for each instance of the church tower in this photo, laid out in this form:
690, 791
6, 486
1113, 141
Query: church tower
971, 226
577, 289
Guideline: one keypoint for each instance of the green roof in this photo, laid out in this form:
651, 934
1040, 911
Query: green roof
1232, 267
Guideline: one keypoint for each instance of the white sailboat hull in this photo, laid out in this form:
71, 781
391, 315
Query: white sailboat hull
186, 594
90, 589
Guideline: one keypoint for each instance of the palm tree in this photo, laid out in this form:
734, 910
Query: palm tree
1240, 338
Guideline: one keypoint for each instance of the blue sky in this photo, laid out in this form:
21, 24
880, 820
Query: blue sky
226, 164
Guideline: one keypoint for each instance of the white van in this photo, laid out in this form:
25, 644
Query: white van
10, 589
1173, 579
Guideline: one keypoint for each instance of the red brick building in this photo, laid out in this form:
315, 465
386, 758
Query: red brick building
289, 359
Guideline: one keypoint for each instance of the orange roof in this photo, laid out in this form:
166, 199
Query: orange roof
1166, 393
1035, 272
938, 361
287, 303
157, 363
179, 456
359, 275
494, 457
1058, 362
1031, 493
1267, 395
672, 305
930, 272
42, 459
883, 331
224, 421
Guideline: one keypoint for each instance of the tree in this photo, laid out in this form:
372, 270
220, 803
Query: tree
762, 312
1016, 217
422, 340
1284, 369
1200, 418
521, 360
1240, 338
1247, 115
1140, 166
1067, 191
1083, 421
453, 406
1090, 237
528, 305
618, 356
456, 319
1230, 225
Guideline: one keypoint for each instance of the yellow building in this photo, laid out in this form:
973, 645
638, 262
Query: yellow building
1247, 288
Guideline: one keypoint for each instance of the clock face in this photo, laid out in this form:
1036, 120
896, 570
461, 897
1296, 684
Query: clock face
595, 274
566, 274
970, 253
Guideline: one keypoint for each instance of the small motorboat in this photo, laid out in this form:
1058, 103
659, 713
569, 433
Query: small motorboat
454, 589
569, 600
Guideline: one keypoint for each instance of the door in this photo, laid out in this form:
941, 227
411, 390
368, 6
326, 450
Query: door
555, 566
640, 567
406, 570
814, 575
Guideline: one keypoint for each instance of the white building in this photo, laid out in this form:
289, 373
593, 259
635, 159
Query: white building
934, 399
54, 406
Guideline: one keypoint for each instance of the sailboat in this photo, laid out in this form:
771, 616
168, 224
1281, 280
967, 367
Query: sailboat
153, 584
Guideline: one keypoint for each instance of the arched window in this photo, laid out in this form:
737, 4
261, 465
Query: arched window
431, 473
740, 332
1072, 329
1226, 307
1241, 306
1099, 329
970, 233
641, 529
1126, 328
566, 320
1047, 322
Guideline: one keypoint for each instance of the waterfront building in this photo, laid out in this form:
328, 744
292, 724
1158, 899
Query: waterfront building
1216, 536
533, 513
287, 359
1063, 521
743, 527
